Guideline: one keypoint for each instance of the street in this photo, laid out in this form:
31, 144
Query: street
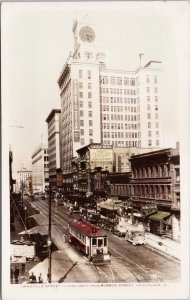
128, 263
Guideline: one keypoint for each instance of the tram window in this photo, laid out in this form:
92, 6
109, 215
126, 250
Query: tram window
93, 242
105, 242
100, 242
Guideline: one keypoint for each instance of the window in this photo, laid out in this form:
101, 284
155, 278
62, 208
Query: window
147, 79
177, 172
81, 122
82, 131
100, 242
94, 242
156, 90
148, 90
156, 98
81, 104
82, 141
157, 133
155, 79
156, 116
89, 86
90, 131
80, 73
105, 80
89, 95
89, 74
113, 80
80, 94
119, 80
81, 113
149, 133
157, 142
149, 116
157, 125
149, 142
90, 141
90, 122
156, 107
90, 114
89, 104
80, 85
148, 106
148, 98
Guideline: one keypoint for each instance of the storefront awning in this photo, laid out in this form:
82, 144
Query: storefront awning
160, 215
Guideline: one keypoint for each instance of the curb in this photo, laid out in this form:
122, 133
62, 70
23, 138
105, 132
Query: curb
166, 255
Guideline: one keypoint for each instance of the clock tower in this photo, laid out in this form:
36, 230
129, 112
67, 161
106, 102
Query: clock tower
84, 32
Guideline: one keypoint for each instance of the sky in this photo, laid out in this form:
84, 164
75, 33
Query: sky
36, 41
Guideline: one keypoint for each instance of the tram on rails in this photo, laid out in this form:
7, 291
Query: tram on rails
91, 240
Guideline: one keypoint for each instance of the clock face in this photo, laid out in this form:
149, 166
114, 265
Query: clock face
87, 34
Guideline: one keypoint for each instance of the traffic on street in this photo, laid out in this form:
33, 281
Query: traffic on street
128, 263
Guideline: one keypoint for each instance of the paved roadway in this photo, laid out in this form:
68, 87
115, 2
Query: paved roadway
129, 263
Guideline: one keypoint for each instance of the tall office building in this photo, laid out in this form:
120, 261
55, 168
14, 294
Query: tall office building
53, 122
108, 106
40, 169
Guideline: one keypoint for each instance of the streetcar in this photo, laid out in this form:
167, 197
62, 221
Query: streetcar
91, 240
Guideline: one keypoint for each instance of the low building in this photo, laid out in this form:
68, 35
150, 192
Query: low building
122, 155
40, 170
155, 191
95, 161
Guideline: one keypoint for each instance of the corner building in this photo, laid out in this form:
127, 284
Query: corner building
107, 106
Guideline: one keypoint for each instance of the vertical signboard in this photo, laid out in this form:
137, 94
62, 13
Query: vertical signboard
76, 121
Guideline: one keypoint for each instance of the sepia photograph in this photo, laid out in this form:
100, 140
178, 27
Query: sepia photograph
95, 150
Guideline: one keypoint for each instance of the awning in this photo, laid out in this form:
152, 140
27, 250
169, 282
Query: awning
160, 215
42, 230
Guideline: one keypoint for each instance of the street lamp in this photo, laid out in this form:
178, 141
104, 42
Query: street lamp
25, 209
49, 242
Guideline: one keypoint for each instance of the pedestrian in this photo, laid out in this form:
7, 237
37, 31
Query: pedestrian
12, 275
32, 278
16, 274
40, 278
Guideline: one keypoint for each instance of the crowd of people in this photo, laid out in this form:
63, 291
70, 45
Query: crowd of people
15, 273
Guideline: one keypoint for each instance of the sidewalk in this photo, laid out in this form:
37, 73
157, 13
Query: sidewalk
164, 245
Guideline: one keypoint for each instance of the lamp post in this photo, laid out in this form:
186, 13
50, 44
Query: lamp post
49, 242
25, 210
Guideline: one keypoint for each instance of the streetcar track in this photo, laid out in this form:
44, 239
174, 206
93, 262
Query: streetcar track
145, 275
140, 275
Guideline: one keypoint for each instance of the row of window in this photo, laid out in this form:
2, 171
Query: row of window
151, 172
121, 126
149, 125
117, 117
156, 191
119, 91
119, 80
149, 116
89, 74
121, 135
119, 100
148, 79
119, 108
148, 89
123, 143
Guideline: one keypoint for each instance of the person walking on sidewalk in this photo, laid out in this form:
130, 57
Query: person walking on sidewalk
32, 278
16, 274
40, 278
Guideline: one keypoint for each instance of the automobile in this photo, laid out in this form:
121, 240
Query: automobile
74, 209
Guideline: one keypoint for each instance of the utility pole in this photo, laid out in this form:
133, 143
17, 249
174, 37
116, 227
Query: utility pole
49, 242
